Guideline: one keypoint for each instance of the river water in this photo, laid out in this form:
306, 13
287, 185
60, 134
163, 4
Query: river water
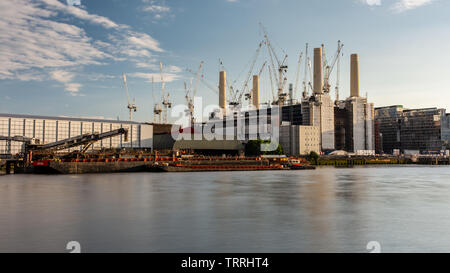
403, 208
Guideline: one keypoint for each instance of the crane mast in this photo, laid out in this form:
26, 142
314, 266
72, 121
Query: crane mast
236, 96
310, 74
166, 103
329, 67
305, 85
297, 76
271, 85
248, 96
338, 75
191, 95
131, 106
157, 109
282, 67
215, 89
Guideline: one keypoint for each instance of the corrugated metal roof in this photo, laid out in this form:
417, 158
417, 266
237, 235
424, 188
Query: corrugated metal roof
67, 118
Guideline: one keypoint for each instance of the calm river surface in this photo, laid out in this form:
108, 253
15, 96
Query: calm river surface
404, 208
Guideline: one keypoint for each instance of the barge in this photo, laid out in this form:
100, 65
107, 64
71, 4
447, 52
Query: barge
167, 164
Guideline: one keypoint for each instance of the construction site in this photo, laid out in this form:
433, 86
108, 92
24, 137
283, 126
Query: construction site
303, 117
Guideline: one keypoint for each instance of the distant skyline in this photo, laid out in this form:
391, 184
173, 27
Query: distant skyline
65, 58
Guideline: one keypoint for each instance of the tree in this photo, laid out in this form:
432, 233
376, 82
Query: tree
253, 148
313, 157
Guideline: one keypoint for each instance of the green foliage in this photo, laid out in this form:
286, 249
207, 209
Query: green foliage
313, 157
253, 148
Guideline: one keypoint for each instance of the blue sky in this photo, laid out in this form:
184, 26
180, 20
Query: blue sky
66, 57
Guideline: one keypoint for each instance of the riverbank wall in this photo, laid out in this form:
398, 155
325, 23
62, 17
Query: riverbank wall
351, 161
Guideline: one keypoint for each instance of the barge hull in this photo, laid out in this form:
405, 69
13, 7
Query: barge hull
57, 167
91, 167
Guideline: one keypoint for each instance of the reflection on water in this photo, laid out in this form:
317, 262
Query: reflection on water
406, 209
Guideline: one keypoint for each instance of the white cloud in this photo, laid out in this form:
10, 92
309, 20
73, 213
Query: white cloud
159, 10
168, 77
62, 76
170, 73
136, 53
74, 2
142, 40
30, 76
133, 44
404, 5
372, 2
80, 13
34, 46
152, 66
30, 40
174, 69
399, 5
66, 78
73, 87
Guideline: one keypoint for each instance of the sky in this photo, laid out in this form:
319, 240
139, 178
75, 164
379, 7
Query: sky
66, 57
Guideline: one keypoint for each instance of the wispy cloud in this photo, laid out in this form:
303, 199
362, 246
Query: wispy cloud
80, 13
66, 78
142, 40
30, 40
404, 5
34, 45
399, 5
372, 2
159, 10
74, 2
169, 76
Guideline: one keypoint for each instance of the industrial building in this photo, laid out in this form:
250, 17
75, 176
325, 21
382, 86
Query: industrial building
318, 109
299, 140
354, 118
51, 129
341, 124
424, 130
316, 124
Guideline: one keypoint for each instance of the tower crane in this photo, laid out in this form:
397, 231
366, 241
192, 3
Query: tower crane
274, 98
310, 74
157, 109
248, 96
281, 67
131, 106
166, 103
236, 95
187, 97
191, 95
329, 67
262, 68
215, 89
307, 68
297, 76
338, 75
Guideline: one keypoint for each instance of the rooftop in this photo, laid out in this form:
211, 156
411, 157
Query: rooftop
66, 118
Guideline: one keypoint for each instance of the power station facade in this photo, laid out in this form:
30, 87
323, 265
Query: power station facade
317, 123
320, 124
344, 125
